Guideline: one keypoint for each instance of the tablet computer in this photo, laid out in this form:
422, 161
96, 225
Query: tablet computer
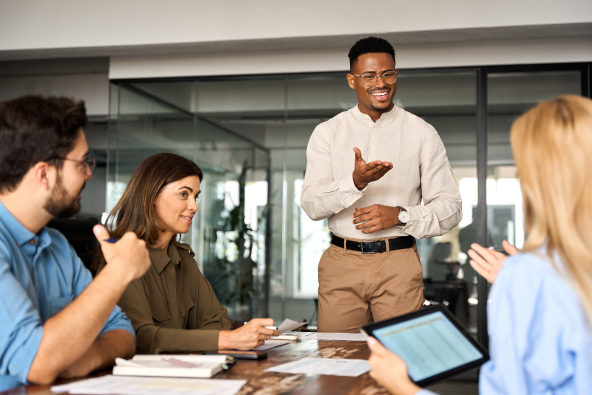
431, 341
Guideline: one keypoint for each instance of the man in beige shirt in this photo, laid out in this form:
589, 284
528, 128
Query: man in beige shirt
367, 171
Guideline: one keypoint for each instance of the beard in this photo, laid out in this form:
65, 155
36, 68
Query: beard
384, 108
60, 204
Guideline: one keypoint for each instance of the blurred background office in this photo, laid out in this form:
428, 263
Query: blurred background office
239, 86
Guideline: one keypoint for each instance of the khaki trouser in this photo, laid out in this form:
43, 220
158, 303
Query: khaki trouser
355, 288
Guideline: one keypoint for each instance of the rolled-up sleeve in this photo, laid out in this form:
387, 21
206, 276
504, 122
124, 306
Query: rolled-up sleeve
322, 195
82, 278
442, 209
21, 329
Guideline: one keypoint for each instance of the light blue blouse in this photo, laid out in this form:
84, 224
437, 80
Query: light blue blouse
540, 338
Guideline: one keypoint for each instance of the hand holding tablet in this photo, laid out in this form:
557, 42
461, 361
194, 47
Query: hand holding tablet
431, 342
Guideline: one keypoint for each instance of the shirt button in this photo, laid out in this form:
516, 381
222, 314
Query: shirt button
32, 241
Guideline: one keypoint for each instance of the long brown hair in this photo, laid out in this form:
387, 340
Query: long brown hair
552, 146
135, 211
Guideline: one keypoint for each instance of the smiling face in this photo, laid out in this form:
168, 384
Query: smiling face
378, 98
176, 207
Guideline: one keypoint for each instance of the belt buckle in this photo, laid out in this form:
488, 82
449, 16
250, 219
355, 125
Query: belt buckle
365, 252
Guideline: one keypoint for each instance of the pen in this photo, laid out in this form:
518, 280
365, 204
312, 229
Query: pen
111, 240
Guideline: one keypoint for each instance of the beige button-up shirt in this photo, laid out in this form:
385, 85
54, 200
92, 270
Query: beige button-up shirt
420, 171
173, 307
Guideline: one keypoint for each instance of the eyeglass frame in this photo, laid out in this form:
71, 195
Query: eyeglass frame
89, 163
396, 71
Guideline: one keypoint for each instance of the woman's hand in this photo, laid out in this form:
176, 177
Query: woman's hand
389, 370
488, 262
252, 334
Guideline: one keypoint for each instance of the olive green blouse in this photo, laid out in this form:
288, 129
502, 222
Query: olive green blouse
173, 307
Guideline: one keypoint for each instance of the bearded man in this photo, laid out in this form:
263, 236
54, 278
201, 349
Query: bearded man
55, 321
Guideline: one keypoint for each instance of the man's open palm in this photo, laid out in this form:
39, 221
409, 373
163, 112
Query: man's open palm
365, 173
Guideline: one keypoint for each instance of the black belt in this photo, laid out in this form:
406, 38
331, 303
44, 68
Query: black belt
372, 247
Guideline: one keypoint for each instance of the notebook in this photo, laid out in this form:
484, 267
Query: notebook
171, 365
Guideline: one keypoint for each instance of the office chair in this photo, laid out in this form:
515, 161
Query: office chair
79, 233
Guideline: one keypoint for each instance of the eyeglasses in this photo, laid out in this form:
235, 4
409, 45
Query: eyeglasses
370, 79
90, 162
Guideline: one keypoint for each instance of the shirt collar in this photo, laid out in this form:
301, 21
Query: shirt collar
365, 118
20, 234
160, 259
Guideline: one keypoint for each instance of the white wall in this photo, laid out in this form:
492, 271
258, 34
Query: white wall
92, 88
42, 24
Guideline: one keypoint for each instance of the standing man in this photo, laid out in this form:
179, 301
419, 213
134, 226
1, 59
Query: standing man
54, 322
367, 171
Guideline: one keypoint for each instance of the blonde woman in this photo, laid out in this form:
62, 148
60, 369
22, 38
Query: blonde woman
540, 306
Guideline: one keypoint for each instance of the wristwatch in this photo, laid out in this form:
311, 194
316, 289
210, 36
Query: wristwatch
403, 216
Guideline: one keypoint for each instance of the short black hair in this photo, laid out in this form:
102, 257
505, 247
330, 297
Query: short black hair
369, 45
35, 129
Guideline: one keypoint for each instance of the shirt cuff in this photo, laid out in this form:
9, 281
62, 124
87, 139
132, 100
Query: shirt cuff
26, 355
118, 320
351, 193
203, 340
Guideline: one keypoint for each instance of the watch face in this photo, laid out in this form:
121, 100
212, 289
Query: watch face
403, 216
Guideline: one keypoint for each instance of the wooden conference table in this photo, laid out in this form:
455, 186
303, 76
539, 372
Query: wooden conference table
267, 383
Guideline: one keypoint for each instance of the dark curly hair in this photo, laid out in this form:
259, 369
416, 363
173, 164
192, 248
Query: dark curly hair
34, 129
369, 45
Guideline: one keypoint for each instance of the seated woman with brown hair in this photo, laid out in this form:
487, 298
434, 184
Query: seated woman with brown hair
172, 307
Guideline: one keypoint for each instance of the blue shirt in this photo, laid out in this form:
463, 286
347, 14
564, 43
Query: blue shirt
40, 274
540, 338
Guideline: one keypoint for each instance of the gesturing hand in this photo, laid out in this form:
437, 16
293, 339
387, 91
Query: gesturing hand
252, 334
365, 173
488, 262
389, 370
128, 254
376, 217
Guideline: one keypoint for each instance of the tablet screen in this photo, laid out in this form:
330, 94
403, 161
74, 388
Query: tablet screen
429, 344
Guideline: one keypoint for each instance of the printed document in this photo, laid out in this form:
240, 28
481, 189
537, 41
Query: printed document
328, 366
123, 385
355, 337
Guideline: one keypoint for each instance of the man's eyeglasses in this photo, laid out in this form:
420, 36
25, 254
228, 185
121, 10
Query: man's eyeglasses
89, 162
370, 79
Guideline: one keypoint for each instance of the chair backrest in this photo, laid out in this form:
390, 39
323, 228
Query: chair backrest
436, 269
79, 233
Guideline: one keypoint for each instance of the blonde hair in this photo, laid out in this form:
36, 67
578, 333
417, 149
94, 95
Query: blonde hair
552, 146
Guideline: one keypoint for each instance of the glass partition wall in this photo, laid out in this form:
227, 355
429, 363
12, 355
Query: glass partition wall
249, 135
229, 232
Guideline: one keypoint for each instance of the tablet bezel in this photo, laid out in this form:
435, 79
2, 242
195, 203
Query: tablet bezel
368, 330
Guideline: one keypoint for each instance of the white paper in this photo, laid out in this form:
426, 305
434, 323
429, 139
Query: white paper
354, 337
289, 325
123, 385
328, 366
271, 344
